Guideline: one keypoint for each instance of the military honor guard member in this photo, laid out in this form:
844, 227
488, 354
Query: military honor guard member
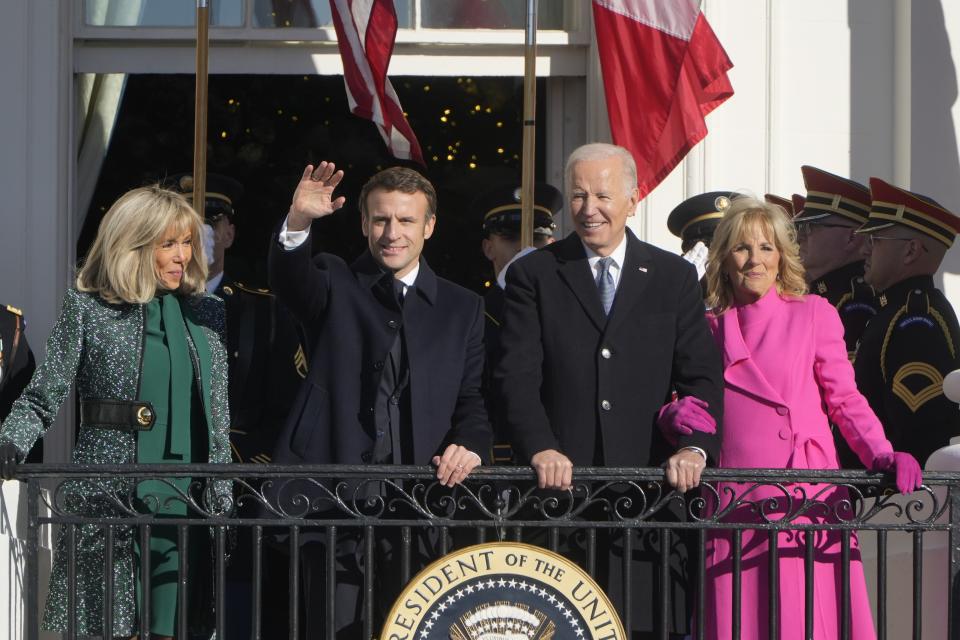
16, 365
695, 219
913, 341
830, 249
499, 208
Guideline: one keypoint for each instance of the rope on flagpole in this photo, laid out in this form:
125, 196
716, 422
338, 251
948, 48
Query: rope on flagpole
529, 126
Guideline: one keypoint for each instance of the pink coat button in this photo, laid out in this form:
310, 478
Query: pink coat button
784, 433
782, 411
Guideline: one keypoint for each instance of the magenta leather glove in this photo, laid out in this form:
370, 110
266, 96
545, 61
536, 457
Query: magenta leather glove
909, 474
684, 416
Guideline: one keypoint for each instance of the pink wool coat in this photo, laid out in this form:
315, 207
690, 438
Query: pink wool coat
787, 377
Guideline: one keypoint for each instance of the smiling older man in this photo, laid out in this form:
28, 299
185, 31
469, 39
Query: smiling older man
598, 329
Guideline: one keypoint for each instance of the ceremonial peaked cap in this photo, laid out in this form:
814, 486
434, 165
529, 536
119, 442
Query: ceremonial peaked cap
895, 206
829, 194
499, 208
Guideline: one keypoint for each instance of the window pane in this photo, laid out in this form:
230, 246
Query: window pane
159, 13
310, 13
489, 14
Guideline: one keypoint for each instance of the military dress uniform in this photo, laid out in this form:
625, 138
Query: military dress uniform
16, 366
695, 219
267, 363
853, 298
914, 340
830, 195
499, 208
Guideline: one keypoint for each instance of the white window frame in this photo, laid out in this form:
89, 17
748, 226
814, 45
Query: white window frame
578, 34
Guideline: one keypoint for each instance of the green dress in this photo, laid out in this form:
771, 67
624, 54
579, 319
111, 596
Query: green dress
179, 435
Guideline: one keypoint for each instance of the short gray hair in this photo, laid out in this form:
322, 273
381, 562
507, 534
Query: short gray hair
602, 151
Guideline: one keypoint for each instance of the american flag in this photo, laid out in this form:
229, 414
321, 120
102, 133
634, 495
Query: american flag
366, 30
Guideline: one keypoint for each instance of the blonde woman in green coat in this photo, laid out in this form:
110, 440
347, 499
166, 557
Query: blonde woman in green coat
144, 345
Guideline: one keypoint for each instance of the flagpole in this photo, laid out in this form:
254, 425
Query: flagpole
200, 109
529, 126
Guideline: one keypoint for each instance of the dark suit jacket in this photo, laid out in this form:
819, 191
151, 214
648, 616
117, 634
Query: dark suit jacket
563, 361
351, 322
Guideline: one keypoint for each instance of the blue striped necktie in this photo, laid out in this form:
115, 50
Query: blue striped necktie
605, 284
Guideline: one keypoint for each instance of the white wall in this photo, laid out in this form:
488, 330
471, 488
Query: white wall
36, 164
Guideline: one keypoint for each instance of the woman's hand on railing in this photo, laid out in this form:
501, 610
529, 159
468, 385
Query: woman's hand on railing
909, 474
9, 455
684, 416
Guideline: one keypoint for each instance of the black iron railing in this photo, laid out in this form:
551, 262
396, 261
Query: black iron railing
287, 505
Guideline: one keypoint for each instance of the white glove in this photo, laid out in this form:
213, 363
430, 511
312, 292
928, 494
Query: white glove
502, 276
208, 243
698, 258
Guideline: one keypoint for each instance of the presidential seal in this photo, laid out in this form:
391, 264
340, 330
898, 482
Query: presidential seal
502, 591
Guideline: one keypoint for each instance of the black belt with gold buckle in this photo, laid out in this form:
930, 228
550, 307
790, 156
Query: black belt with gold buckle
135, 415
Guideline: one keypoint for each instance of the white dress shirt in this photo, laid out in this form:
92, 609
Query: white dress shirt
616, 264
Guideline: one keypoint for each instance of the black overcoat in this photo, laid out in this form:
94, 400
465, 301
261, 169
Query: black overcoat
562, 358
591, 386
351, 323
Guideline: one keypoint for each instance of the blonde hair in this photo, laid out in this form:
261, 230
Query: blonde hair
121, 267
747, 213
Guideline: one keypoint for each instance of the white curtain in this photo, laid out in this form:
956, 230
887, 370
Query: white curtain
98, 101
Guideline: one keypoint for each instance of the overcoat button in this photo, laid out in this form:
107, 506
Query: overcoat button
605, 353
784, 433
393, 324
782, 411
378, 365
605, 405
365, 456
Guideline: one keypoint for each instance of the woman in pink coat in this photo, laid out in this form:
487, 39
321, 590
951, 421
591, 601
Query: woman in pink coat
787, 378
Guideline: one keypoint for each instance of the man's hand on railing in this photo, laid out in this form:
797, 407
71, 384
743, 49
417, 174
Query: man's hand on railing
684, 416
9, 455
683, 469
554, 470
909, 474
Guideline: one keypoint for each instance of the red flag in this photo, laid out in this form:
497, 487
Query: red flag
366, 30
663, 71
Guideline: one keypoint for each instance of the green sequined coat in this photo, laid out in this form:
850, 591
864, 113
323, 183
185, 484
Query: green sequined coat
99, 346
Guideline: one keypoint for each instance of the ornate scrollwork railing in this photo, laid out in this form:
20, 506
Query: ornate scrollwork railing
359, 495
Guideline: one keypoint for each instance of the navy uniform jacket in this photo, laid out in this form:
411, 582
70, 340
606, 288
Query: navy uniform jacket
351, 321
16, 366
853, 299
904, 354
856, 303
267, 364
